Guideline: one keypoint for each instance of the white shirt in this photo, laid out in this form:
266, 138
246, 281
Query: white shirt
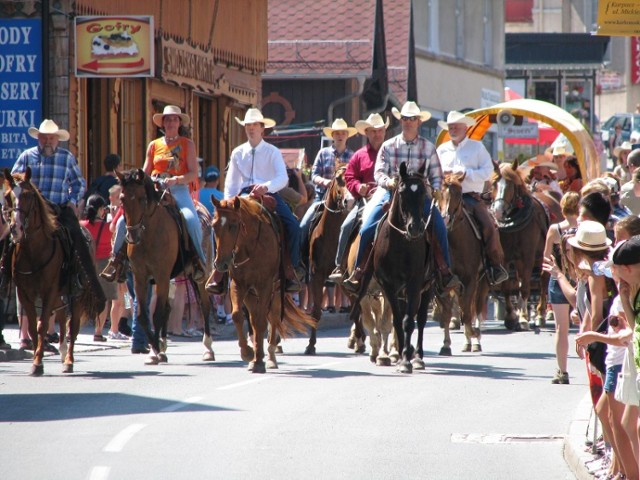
471, 157
264, 167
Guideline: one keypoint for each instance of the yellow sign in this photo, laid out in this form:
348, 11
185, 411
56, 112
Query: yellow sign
114, 46
619, 18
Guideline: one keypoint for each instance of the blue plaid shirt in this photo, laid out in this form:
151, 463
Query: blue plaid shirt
325, 165
415, 153
57, 177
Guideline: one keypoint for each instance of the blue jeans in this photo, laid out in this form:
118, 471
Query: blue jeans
138, 338
373, 213
188, 210
291, 228
345, 232
305, 223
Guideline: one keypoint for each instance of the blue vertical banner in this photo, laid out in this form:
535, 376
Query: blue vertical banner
20, 85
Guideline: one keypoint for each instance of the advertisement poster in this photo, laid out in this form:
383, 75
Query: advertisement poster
20, 86
114, 46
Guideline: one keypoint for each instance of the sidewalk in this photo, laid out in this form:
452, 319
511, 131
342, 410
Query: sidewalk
85, 343
576, 452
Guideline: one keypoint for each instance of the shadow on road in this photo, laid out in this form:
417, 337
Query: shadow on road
34, 407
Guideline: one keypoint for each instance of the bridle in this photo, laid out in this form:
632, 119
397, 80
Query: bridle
242, 228
405, 232
136, 229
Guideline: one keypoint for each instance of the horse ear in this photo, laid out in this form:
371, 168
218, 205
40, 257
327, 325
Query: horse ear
236, 203
27, 174
8, 177
403, 169
496, 166
215, 202
514, 165
139, 175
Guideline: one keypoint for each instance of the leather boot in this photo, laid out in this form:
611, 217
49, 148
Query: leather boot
352, 284
115, 266
294, 285
199, 271
218, 283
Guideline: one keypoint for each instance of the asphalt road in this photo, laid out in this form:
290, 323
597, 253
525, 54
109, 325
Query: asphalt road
493, 415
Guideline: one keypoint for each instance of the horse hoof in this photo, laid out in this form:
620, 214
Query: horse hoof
271, 365
524, 326
510, 324
162, 357
454, 325
541, 321
247, 355
536, 331
279, 349
405, 367
37, 370
383, 362
446, 352
395, 358
361, 349
152, 360
258, 367
67, 368
310, 350
208, 356
351, 343
418, 364
467, 347
476, 348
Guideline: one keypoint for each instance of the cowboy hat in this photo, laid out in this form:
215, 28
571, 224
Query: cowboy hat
170, 110
410, 109
339, 125
541, 161
49, 127
373, 121
591, 236
253, 115
560, 150
625, 146
456, 117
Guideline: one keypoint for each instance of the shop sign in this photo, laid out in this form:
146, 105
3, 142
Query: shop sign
114, 46
20, 85
618, 18
635, 60
526, 130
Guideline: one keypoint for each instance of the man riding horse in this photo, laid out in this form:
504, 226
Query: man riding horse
56, 174
415, 151
471, 160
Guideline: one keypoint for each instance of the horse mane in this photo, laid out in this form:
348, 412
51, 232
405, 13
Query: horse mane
248, 207
49, 221
452, 180
514, 176
150, 190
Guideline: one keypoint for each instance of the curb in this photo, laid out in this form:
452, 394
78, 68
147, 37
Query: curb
574, 449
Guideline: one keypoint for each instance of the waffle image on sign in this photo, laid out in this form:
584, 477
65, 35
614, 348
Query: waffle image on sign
116, 44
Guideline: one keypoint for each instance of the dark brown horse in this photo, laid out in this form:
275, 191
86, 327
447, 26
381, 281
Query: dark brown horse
401, 265
153, 239
467, 263
323, 243
523, 225
38, 268
248, 246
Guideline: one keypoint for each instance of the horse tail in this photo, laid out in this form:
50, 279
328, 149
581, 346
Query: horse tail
295, 319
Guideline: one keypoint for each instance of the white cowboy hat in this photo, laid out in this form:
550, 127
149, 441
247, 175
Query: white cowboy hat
591, 236
456, 117
49, 127
171, 110
541, 161
620, 148
253, 115
410, 109
373, 121
339, 125
560, 150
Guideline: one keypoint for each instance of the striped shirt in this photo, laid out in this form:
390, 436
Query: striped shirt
57, 177
415, 153
324, 165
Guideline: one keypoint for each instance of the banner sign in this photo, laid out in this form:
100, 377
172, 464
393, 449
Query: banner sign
618, 18
20, 86
114, 46
635, 60
526, 130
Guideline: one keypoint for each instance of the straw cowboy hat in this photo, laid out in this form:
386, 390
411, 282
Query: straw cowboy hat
560, 150
410, 109
339, 125
170, 110
49, 127
625, 146
456, 117
253, 115
591, 236
373, 121
541, 161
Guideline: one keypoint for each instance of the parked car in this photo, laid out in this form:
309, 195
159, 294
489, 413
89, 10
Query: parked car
630, 122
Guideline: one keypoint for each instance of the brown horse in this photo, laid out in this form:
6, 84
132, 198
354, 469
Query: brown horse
467, 259
38, 268
323, 243
248, 246
523, 225
153, 239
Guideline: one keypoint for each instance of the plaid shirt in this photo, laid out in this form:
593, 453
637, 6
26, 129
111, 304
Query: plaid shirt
416, 153
325, 165
57, 177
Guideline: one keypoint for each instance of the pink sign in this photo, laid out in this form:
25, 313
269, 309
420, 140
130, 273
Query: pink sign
635, 60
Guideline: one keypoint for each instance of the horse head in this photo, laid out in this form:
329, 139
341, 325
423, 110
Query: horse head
507, 190
337, 193
137, 196
451, 199
409, 202
227, 225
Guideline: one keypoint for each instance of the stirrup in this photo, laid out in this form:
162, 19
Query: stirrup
110, 271
497, 274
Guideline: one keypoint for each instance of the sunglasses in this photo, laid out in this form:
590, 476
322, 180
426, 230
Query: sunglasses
409, 119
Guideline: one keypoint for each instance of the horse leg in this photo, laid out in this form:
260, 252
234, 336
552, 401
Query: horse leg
368, 315
142, 315
36, 333
204, 300
445, 305
258, 313
315, 290
61, 317
408, 325
75, 310
421, 320
385, 326
272, 362
237, 315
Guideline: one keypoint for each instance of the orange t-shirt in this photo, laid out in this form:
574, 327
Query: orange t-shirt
170, 158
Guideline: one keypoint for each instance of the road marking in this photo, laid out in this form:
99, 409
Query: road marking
269, 377
503, 438
119, 441
179, 405
99, 473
